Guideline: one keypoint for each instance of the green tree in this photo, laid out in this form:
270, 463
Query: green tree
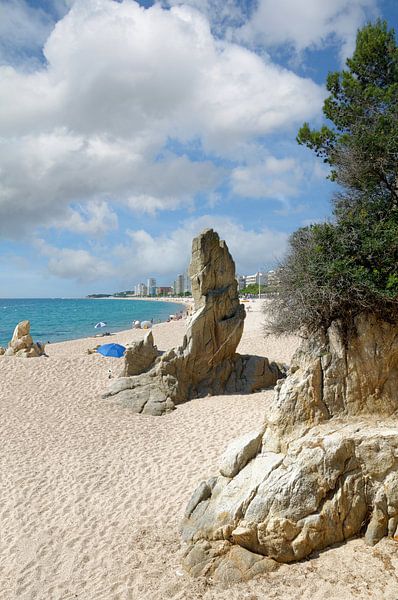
361, 140
253, 289
333, 271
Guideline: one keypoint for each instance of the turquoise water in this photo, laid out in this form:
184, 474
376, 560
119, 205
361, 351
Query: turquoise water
57, 319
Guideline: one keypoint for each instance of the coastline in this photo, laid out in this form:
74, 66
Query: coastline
58, 324
175, 300
172, 331
80, 346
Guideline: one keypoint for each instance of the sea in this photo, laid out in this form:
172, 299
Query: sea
60, 319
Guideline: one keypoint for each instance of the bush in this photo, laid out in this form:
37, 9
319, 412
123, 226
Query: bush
337, 270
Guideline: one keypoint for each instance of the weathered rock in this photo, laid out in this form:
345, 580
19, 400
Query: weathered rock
239, 452
21, 330
207, 362
139, 356
327, 465
22, 344
226, 563
333, 377
2, 351
202, 492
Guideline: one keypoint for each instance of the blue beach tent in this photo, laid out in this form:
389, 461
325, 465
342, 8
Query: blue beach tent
114, 350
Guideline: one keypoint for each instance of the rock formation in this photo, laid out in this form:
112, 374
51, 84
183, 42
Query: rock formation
139, 356
22, 344
323, 468
207, 362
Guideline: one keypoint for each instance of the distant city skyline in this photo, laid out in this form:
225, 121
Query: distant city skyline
182, 283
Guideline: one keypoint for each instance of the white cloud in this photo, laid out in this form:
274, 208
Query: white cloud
23, 30
150, 205
118, 69
306, 24
41, 175
167, 255
141, 254
119, 83
97, 218
78, 265
273, 178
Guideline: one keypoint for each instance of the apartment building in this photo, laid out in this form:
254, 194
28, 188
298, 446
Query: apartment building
151, 286
256, 279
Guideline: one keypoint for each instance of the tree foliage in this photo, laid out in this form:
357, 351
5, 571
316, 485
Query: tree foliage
361, 141
253, 289
336, 270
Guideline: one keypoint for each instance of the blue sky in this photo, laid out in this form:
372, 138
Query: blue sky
127, 127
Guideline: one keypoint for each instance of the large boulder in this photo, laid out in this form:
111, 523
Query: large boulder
22, 344
207, 362
326, 467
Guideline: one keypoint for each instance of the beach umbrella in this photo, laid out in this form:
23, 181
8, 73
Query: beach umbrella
114, 350
99, 325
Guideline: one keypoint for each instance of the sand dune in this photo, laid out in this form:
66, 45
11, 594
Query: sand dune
91, 495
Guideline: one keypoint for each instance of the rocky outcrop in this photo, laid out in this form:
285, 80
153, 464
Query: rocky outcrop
326, 466
22, 344
207, 362
331, 376
139, 356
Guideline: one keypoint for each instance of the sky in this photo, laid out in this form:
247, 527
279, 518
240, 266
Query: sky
127, 127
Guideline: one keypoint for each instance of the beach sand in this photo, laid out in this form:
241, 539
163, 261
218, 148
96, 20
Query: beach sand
91, 495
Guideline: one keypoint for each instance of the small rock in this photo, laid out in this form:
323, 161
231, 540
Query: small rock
22, 345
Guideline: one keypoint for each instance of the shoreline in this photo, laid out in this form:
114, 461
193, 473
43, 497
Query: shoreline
116, 337
173, 331
184, 306
179, 325
173, 299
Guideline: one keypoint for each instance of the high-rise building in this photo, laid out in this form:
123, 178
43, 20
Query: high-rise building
141, 289
187, 283
151, 286
179, 285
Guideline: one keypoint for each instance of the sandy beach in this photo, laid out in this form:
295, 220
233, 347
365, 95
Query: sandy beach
92, 495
